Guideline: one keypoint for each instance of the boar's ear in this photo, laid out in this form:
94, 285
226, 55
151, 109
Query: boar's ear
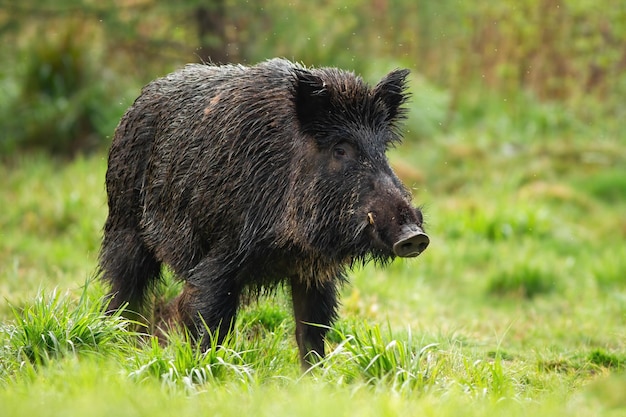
391, 90
311, 96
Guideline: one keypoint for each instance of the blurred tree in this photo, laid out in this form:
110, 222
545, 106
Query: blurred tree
211, 21
68, 51
574, 51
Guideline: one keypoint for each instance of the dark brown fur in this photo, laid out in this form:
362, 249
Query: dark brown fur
244, 177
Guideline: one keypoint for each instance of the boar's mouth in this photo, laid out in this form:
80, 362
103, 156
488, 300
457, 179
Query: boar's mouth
411, 242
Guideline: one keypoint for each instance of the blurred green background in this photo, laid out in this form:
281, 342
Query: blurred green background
519, 69
515, 145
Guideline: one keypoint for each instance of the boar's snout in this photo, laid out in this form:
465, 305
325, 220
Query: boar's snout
411, 242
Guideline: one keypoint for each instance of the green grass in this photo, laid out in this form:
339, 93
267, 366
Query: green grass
54, 326
517, 308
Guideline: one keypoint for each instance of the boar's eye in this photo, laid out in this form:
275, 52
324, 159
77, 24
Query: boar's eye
339, 152
343, 150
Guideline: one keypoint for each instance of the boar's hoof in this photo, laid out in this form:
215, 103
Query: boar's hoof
411, 243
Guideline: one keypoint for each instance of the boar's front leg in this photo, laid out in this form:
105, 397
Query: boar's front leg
315, 309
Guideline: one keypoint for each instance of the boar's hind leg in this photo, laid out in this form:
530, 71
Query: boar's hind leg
315, 309
129, 267
210, 303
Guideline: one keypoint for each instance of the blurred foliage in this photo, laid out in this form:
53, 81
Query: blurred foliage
63, 104
76, 64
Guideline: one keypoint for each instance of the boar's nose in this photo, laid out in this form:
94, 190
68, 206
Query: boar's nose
412, 242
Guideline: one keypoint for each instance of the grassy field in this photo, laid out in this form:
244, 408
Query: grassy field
517, 308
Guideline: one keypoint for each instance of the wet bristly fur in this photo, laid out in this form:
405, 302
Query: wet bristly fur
230, 175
